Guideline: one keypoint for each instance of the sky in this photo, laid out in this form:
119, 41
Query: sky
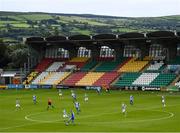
123, 8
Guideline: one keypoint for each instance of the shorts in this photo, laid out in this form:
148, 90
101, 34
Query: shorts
65, 116
18, 105
86, 99
123, 110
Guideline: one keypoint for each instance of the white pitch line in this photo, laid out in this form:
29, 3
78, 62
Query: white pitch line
81, 117
142, 120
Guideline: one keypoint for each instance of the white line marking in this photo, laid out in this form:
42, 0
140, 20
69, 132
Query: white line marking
81, 117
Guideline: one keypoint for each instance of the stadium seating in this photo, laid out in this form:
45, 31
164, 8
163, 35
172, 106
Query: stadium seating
54, 78
177, 84
175, 61
74, 78
30, 77
89, 65
133, 65
55, 66
127, 79
108, 66
155, 67
40, 77
43, 64
79, 62
106, 79
79, 59
145, 79
163, 80
89, 79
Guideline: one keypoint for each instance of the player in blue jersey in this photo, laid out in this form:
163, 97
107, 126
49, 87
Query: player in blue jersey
131, 99
34, 99
77, 106
71, 119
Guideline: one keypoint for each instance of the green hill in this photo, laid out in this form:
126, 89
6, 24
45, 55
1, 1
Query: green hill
16, 25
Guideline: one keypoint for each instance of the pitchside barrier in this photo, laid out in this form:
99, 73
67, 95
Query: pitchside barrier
93, 88
14, 86
3, 86
32, 86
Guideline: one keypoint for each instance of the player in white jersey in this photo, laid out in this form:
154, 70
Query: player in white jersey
77, 106
163, 101
18, 106
73, 95
86, 97
60, 93
98, 90
65, 114
123, 107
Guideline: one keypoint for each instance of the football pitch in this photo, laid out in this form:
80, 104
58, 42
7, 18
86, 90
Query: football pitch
102, 113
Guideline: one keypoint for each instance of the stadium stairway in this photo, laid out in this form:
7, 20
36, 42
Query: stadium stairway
106, 79
74, 78
89, 79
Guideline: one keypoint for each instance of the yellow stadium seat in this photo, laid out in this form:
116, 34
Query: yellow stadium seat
90, 78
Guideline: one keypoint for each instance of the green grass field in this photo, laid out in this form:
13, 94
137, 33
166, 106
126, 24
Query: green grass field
100, 113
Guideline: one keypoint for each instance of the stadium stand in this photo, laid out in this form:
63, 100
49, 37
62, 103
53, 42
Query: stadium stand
107, 66
55, 66
54, 78
106, 79
43, 64
89, 79
145, 79
30, 77
74, 78
89, 65
155, 67
79, 62
126, 79
163, 80
133, 65
175, 61
40, 77
177, 84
